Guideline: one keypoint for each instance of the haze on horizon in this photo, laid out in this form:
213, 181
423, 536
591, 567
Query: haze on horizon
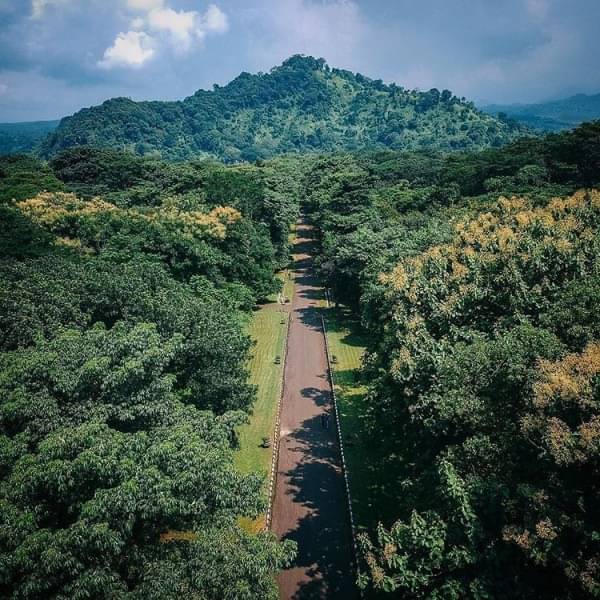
57, 56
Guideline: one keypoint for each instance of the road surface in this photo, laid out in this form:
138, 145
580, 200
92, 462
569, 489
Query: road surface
310, 504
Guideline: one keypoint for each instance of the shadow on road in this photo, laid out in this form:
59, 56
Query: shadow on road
315, 483
319, 397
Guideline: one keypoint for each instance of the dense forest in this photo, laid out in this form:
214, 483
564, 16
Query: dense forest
476, 276
24, 137
126, 281
123, 374
301, 106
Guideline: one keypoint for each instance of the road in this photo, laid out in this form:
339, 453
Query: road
310, 504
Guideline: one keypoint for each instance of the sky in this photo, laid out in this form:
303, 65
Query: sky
57, 56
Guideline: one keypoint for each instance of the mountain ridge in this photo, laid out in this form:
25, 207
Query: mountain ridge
24, 136
554, 115
302, 105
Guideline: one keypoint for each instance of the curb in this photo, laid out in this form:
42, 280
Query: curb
343, 457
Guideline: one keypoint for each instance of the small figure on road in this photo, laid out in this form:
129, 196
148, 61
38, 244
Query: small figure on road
325, 420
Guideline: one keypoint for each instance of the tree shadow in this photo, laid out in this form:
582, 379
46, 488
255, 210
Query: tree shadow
311, 317
319, 397
348, 377
341, 320
302, 263
323, 536
305, 245
312, 293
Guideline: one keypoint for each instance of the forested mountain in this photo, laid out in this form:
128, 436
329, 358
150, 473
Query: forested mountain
551, 116
23, 137
302, 105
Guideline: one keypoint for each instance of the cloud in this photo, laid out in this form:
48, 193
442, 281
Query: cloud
180, 25
215, 20
131, 49
161, 24
514, 50
38, 7
183, 27
333, 29
143, 5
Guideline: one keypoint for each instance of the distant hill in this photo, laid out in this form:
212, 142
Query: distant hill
23, 137
302, 105
552, 116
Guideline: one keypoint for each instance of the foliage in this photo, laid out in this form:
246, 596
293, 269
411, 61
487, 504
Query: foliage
23, 137
468, 379
265, 193
191, 243
374, 208
22, 177
481, 366
123, 378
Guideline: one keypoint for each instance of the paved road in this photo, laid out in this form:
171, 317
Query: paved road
310, 505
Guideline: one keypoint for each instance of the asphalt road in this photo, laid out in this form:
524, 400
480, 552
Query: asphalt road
310, 504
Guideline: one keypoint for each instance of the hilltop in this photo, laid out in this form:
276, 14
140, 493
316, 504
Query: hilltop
302, 105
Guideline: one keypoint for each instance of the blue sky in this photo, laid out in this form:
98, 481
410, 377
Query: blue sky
57, 56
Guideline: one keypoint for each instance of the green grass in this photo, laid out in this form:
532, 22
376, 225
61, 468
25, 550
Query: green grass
288, 285
266, 329
268, 332
372, 485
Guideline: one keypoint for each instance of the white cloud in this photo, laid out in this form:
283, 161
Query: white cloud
37, 8
131, 49
144, 5
160, 23
138, 23
215, 20
537, 8
181, 25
